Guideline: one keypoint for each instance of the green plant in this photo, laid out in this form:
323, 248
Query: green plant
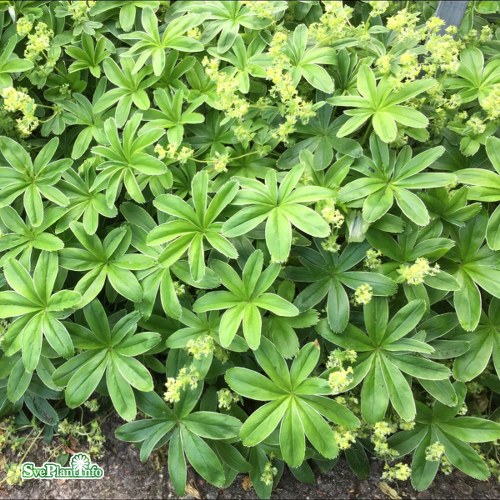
265, 234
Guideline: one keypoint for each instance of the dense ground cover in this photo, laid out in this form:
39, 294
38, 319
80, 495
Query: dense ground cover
264, 234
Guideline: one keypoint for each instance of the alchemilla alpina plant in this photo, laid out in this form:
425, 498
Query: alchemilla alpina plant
266, 234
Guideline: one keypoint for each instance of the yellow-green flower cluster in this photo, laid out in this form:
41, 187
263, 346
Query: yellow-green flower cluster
363, 294
372, 259
201, 347
379, 439
226, 398
415, 274
384, 63
269, 473
243, 134
350, 402
491, 103
486, 34
409, 67
23, 26
434, 24
378, 7
38, 42
337, 357
434, 452
406, 426
79, 10
219, 162
334, 23
172, 152
187, 377
446, 467
92, 405
179, 288
19, 101
13, 474
340, 377
404, 24
229, 101
330, 244
397, 472
444, 51
292, 107
331, 214
474, 126
261, 8
344, 437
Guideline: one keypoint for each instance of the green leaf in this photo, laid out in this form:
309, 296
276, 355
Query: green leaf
463, 457
212, 425
374, 394
203, 459
177, 463
472, 429
278, 235
318, 432
262, 422
292, 441
412, 206
252, 385
120, 392
405, 320
399, 391
85, 379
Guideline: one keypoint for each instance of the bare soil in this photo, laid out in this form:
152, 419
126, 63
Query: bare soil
126, 477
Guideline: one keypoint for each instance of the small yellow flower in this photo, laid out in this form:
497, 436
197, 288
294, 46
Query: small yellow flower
363, 294
269, 473
38, 42
23, 26
201, 347
398, 472
372, 259
185, 378
344, 437
434, 452
219, 162
160, 151
339, 379
416, 273
226, 398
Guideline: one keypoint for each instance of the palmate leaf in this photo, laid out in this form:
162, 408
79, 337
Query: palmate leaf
106, 260
193, 226
329, 275
108, 350
245, 299
186, 434
384, 357
391, 178
32, 179
300, 411
242, 205
383, 106
282, 207
35, 310
441, 425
